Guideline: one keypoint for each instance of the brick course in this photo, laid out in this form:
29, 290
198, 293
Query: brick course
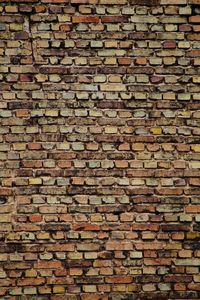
99, 149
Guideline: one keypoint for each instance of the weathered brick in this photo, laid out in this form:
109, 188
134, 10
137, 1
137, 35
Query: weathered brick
35, 181
111, 2
145, 2
99, 149
85, 19
194, 19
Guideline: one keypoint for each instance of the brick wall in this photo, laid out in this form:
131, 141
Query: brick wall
99, 149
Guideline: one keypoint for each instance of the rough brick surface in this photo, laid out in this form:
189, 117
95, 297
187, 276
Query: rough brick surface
99, 149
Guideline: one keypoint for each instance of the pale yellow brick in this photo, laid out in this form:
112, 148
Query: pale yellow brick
51, 113
112, 87
16, 27
11, 8
110, 61
54, 78
35, 181
196, 79
111, 129
9, 95
100, 78
194, 164
59, 289
19, 146
184, 45
110, 44
31, 273
64, 18
2, 274
43, 236
95, 113
13, 44
41, 77
195, 148
156, 130
5, 218
89, 288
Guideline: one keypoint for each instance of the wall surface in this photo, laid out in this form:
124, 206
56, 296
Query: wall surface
99, 149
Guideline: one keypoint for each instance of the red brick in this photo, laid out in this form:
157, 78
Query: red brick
169, 44
194, 19
22, 113
115, 245
196, 28
156, 79
64, 164
85, 19
119, 279
5, 191
113, 19
30, 281
86, 227
141, 61
124, 61
170, 191
194, 181
47, 265
60, 248
192, 209
40, 8
35, 218
185, 28
94, 205
31, 163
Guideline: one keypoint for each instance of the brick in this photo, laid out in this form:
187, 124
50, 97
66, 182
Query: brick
156, 131
32, 281
113, 19
186, 10
35, 181
16, 27
192, 209
48, 265
119, 246
85, 19
119, 279
196, 79
145, 2
194, 181
99, 149
148, 19
59, 289
187, 262
113, 87
111, 2
169, 44
194, 19
195, 148
173, 2
5, 219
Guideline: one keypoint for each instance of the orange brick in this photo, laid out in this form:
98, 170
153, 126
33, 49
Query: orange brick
85, 19
22, 113
64, 164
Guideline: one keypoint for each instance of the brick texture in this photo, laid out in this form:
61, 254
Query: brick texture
99, 149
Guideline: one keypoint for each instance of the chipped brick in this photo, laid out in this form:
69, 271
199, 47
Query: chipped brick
99, 149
